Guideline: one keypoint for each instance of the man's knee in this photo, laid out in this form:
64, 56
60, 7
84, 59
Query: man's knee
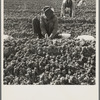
36, 23
35, 20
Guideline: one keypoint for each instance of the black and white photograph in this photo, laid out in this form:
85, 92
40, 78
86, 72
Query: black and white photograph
49, 50
49, 42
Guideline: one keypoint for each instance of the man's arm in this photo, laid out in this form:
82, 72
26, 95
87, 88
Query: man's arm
73, 7
63, 8
42, 25
54, 32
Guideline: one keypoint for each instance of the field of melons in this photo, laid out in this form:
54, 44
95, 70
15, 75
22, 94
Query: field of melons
28, 60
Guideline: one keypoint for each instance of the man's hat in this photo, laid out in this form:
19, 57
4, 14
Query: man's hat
48, 9
45, 8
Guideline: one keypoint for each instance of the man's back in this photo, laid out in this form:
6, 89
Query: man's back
68, 3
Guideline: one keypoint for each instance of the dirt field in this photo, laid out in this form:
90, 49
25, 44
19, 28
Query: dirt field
18, 69
18, 16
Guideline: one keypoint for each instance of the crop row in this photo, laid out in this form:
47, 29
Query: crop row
56, 62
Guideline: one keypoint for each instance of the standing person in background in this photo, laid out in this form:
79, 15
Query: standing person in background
46, 24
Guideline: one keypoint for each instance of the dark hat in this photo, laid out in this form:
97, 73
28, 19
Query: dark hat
45, 8
48, 9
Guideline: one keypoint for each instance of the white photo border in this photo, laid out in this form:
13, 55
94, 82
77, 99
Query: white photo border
51, 92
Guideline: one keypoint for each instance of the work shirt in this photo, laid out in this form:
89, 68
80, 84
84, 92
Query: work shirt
48, 26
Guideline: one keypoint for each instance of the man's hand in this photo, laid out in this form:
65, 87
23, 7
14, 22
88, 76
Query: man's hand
46, 36
64, 17
52, 36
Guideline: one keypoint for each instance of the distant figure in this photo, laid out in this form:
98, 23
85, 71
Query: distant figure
46, 24
70, 4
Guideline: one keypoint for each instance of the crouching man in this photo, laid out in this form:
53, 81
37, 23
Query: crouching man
46, 24
71, 5
67, 5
